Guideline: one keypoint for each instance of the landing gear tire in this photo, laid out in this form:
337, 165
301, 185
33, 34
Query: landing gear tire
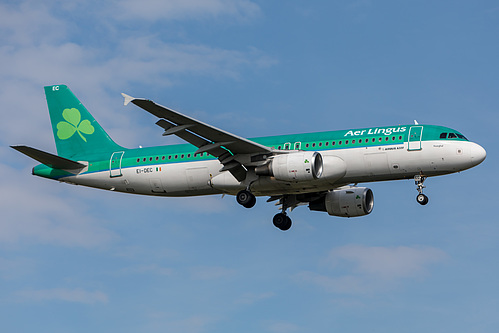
282, 221
246, 199
422, 199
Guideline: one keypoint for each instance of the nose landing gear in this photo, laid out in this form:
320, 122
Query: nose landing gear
421, 198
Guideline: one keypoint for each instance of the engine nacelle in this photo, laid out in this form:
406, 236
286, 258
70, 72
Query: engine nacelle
345, 202
334, 168
293, 167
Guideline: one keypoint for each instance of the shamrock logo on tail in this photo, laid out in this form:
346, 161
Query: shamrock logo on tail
73, 123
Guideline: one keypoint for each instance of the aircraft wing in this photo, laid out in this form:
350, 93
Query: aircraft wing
219, 143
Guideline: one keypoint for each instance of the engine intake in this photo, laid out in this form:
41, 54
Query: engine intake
297, 167
345, 202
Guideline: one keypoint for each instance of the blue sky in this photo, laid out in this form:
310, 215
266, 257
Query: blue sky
74, 259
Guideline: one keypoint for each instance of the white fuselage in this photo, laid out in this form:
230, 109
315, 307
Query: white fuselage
363, 164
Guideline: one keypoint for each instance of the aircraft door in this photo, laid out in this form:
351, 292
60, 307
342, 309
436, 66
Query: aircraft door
414, 139
115, 164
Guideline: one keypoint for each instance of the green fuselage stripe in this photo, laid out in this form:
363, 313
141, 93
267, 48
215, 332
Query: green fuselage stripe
319, 141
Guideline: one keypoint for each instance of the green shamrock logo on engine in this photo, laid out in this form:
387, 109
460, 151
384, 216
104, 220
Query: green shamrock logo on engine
73, 123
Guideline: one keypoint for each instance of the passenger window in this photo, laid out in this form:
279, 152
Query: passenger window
157, 158
443, 135
374, 139
138, 160
306, 146
333, 143
452, 136
176, 156
313, 144
320, 144
339, 142
346, 142
150, 159
353, 141
327, 143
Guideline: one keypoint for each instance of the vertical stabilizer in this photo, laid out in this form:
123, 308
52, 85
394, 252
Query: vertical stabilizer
77, 134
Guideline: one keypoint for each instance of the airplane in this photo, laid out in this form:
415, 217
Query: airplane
321, 170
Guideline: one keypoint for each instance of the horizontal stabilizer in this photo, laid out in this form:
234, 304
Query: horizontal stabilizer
49, 159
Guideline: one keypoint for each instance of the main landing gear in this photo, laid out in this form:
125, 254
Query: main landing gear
421, 198
246, 199
281, 220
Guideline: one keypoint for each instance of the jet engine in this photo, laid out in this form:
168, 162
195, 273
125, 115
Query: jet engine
345, 202
296, 167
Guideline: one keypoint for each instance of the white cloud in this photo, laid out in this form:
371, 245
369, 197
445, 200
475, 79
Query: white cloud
28, 23
38, 47
348, 284
43, 50
252, 298
386, 262
372, 269
152, 10
63, 294
211, 272
282, 327
164, 321
150, 269
11, 269
39, 212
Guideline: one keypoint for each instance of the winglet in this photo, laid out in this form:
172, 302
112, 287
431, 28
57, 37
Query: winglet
128, 98
416, 122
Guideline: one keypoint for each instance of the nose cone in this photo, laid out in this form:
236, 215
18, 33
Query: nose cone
477, 153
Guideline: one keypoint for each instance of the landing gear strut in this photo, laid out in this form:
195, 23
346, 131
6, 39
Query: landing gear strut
246, 198
421, 198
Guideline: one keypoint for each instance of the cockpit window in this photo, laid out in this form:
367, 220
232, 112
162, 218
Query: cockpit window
443, 135
460, 136
452, 135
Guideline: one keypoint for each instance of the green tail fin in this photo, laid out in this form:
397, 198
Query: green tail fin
76, 132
